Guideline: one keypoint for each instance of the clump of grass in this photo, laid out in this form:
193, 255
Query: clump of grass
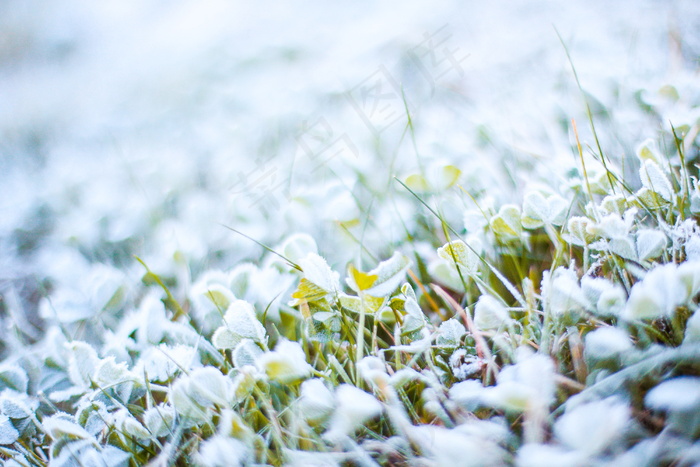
557, 326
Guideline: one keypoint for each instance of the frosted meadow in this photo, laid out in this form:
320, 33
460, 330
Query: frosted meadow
368, 234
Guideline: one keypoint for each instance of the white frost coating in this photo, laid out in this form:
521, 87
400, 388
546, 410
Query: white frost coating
547, 455
650, 244
286, 364
316, 270
692, 328
662, 290
297, 246
452, 447
317, 401
539, 211
8, 433
222, 451
654, 179
561, 292
607, 342
489, 313
465, 255
529, 384
390, 274
354, 407
680, 394
240, 323
606, 298
591, 428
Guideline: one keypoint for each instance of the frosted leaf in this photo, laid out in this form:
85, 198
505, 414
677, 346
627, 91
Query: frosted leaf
446, 447
8, 432
646, 151
689, 275
245, 353
692, 329
17, 405
578, 231
297, 246
649, 199
113, 457
163, 362
593, 427
210, 298
109, 373
151, 320
662, 290
468, 394
546, 455
127, 427
611, 226
623, 247
450, 333
159, 420
244, 382
654, 179
354, 408
184, 404
650, 244
316, 402
692, 248
222, 451
611, 301
538, 210
561, 292
208, 387
489, 313
60, 425
66, 394
225, 339
607, 342
240, 318
414, 320
390, 274
613, 204
594, 287
466, 257
14, 377
88, 454
82, 362
286, 364
93, 416
240, 279
527, 384
317, 271
507, 222
681, 394
644, 303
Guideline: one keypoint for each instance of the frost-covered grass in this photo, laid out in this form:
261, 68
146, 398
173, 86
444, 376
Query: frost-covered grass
445, 296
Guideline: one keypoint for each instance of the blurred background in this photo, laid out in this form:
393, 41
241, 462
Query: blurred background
149, 127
